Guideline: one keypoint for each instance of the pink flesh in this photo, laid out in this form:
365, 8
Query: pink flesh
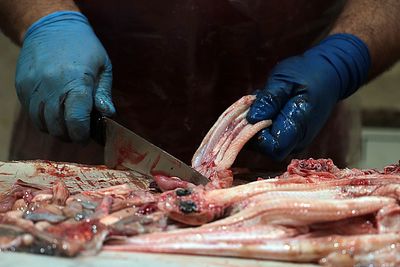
166, 183
301, 211
250, 235
215, 133
388, 219
360, 225
386, 256
214, 157
60, 192
121, 190
314, 212
65, 235
289, 249
104, 208
300, 198
224, 141
117, 216
310, 194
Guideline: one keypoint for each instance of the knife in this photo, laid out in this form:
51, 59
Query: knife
124, 148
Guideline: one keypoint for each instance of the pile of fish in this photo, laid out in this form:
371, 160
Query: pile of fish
314, 212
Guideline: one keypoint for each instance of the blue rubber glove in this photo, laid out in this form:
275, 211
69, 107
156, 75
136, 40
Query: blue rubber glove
62, 71
302, 91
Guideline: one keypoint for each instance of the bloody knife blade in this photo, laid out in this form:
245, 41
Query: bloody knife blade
124, 148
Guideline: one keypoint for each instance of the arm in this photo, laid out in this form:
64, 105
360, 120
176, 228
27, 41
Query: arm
302, 91
63, 71
17, 16
375, 22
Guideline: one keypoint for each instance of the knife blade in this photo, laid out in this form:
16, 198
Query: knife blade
124, 148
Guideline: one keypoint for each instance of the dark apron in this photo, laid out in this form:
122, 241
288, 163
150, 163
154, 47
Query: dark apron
178, 64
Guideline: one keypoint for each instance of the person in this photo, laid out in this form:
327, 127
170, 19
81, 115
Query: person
167, 70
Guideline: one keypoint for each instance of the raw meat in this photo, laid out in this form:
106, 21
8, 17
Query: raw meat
223, 142
56, 222
314, 212
213, 158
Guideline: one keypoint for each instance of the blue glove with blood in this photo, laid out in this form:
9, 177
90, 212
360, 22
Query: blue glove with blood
63, 72
302, 91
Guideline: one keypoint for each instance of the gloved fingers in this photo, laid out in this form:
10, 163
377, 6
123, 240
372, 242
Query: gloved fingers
23, 85
269, 102
270, 143
54, 117
264, 107
264, 142
36, 108
287, 131
77, 108
103, 99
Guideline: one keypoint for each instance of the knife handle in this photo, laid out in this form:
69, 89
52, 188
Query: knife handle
97, 127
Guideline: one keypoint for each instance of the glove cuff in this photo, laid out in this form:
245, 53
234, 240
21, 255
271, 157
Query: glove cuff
56, 17
350, 57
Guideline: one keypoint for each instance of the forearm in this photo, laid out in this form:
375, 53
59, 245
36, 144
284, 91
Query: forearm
376, 23
17, 15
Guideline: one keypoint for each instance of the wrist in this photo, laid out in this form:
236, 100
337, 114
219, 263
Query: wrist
350, 58
17, 16
55, 17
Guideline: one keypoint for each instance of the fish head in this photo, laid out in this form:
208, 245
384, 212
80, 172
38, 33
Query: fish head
189, 206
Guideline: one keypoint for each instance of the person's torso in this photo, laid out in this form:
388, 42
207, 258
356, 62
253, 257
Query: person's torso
178, 64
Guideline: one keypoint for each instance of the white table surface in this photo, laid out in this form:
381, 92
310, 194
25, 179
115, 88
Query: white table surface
129, 259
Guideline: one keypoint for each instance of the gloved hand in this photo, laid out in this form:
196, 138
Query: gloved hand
302, 91
62, 71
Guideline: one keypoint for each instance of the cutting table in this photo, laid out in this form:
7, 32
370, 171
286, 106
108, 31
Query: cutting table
89, 178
